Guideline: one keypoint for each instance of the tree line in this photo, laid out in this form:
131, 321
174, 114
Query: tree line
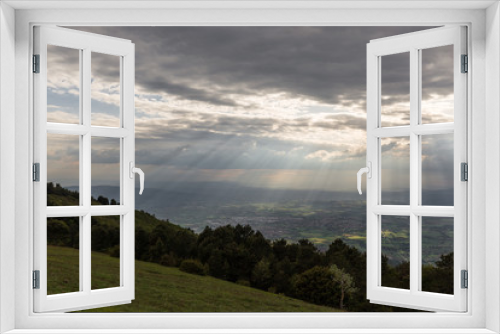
336, 277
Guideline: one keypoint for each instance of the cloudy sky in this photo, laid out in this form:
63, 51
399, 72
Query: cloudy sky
273, 107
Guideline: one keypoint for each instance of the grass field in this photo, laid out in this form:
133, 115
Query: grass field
165, 289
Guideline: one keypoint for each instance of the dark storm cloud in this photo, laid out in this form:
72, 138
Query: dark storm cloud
237, 70
437, 74
106, 67
395, 79
437, 71
256, 126
197, 123
326, 64
161, 84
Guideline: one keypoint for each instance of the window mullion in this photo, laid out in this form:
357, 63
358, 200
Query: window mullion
414, 172
86, 149
85, 254
86, 163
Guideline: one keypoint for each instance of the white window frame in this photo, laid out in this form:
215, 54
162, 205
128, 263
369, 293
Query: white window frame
413, 44
124, 51
483, 20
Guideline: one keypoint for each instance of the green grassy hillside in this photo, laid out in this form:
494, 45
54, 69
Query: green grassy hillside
166, 289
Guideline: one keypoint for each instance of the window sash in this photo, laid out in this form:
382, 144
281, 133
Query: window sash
86, 297
414, 298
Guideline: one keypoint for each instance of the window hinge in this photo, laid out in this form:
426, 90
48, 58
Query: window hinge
36, 279
465, 64
36, 63
464, 167
465, 279
36, 172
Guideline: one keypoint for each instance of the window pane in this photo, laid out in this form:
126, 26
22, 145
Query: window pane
63, 85
105, 171
437, 85
105, 90
105, 258
395, 234
395, 177
63, 255
395, 89
437, 169
437, 254
63, 170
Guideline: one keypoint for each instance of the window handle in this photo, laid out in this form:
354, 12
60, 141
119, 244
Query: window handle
368, 171
135, 170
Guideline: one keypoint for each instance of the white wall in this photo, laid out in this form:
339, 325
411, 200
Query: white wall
188, 17
7, 160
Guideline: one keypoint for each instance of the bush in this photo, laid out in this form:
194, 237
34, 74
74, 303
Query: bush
192, 267
316, 286
57, 232
272, 289
114, 251
262, 277
168, 260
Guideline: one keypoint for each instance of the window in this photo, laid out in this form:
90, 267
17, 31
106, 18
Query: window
80, 126
484, 237
421, 125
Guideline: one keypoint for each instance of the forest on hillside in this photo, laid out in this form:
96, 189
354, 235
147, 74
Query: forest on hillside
335, 277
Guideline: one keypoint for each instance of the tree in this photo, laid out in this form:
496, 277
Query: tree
390, 277
261, 275
218, 265
279, 249
282, 272
344, 281
99, 236
141, 243
438, 277
307, 256
259, 246
192, 267
182, 242
57, 232
316, 285
103, 200
156, 251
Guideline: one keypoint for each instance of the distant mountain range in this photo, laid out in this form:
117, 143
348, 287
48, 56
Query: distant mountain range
192, 194
155, 200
